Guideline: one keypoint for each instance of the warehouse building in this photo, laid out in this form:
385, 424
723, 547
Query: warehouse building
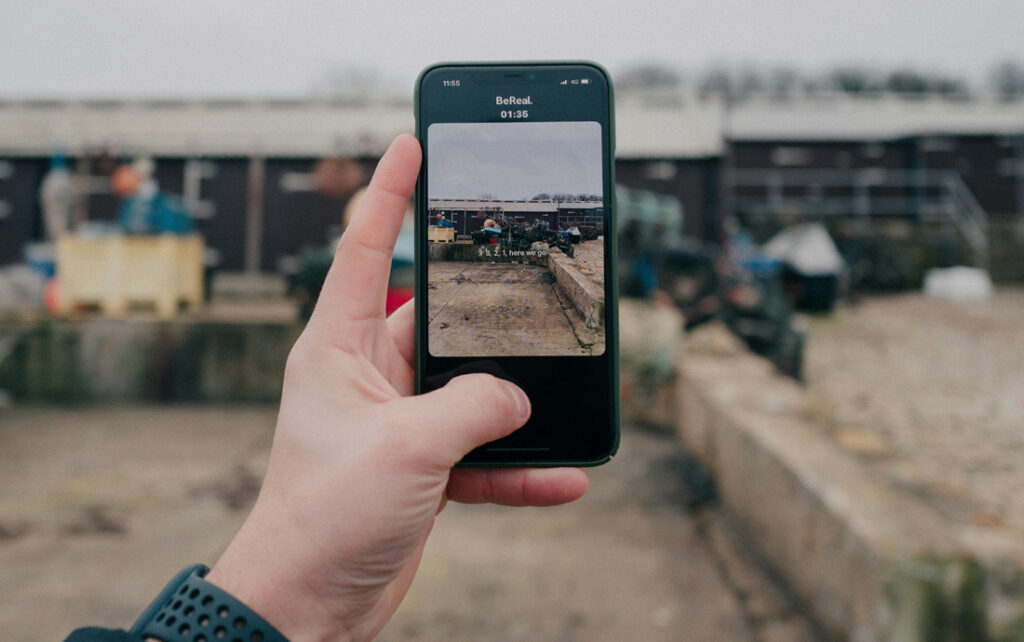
922, 160
468, 215
247, 168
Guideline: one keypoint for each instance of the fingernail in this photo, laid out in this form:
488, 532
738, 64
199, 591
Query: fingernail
520, 398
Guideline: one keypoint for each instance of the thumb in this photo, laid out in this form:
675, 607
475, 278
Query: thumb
471, 410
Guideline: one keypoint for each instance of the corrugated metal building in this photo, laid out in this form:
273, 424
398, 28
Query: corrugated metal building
246, 166
468, 215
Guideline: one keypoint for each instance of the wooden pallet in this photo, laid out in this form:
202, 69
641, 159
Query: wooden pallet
441, 234
118, 272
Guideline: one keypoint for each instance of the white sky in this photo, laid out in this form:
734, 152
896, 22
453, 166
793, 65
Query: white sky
514, 161
255, 47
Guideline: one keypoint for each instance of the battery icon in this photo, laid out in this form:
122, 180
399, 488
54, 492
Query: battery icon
584, 81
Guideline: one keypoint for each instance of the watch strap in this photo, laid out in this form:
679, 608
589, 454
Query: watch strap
190, 608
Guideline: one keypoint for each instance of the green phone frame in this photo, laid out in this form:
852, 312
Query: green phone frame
613, 289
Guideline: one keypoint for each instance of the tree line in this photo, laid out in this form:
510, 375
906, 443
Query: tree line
1005, 80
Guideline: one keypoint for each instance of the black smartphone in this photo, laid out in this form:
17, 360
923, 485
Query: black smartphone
515, 249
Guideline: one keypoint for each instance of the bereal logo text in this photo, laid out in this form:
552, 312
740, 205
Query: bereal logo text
513, 100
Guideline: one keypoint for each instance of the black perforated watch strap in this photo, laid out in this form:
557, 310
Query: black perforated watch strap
192, 609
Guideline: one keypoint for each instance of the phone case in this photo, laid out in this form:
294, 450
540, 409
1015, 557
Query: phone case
613, 290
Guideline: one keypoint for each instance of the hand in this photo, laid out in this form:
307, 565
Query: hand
359, 468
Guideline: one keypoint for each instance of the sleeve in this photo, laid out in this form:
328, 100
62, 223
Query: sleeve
96, 634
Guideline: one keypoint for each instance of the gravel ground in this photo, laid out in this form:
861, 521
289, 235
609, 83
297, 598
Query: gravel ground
933, 392
102, 505
501, 308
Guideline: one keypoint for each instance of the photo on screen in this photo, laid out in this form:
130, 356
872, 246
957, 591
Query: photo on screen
515, 239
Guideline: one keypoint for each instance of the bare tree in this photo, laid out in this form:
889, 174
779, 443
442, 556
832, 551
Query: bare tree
948, 86
907, 81
348, 81
853, 80
717, 81
751, 81
734, 84
783, 82
1008, 79
648, 75
910, 81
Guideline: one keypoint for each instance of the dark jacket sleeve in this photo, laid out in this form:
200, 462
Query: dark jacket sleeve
96, 634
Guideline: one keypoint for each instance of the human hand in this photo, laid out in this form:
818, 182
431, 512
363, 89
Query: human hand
359, 468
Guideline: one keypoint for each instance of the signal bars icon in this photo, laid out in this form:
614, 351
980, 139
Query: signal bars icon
564, 82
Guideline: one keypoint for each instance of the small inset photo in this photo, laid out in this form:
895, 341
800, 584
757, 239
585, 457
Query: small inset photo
515, 239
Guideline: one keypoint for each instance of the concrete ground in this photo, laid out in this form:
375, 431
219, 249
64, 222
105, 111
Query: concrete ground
930, 393
510, 309
100, 506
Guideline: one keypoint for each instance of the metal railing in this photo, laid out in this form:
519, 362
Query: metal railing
864, 194
569, 220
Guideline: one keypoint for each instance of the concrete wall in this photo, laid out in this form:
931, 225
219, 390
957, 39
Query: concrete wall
871, 561
586, 296
135, 360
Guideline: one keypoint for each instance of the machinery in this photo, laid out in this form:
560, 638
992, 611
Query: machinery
519, 237
705, 282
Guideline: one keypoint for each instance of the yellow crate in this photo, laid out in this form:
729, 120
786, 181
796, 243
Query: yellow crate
441, 234
116, 272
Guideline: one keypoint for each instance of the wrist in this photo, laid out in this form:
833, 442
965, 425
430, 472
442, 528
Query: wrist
259, 571
191, 608
290, 610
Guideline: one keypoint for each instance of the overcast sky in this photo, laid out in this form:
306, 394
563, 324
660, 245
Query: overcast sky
513, 161
256, 47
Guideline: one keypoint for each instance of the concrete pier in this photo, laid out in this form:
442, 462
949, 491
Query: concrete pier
871, 560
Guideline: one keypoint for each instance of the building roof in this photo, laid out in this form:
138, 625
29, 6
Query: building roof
878, 117
287, 128
515, 206
667, 125
469, 204
650, 125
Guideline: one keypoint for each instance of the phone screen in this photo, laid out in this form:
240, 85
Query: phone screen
515, 231
529, 197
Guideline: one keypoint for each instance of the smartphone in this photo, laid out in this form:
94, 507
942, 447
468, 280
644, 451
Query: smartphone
515, 249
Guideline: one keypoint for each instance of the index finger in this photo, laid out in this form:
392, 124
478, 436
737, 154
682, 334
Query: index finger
356, 285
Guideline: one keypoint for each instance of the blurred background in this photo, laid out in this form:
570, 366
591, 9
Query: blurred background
821, 235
